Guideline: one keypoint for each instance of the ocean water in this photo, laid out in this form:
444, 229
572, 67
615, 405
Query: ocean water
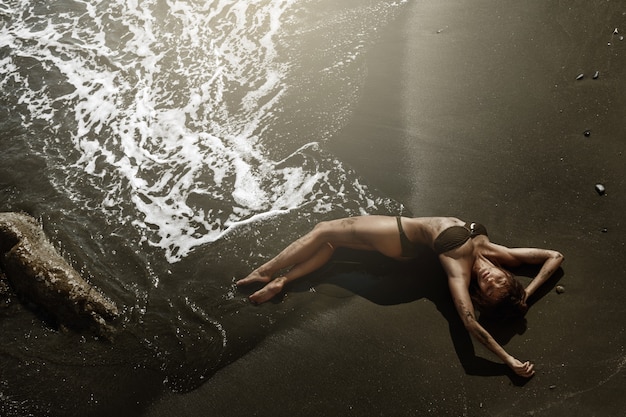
168, 147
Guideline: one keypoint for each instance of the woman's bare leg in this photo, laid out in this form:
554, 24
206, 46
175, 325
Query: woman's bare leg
312, 250
273, 287
297, 252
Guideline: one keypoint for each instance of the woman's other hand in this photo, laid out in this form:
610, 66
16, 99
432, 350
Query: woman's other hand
525, 369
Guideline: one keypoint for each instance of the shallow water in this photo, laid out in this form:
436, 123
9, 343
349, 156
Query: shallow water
168, 147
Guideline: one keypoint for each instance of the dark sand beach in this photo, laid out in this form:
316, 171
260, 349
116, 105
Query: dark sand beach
484, 119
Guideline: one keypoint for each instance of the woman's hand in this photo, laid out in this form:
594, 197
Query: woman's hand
525, 369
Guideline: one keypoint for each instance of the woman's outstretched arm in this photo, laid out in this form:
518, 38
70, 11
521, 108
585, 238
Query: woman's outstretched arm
458, 266
462, 301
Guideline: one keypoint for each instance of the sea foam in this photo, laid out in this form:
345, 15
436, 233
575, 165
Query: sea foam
164, 110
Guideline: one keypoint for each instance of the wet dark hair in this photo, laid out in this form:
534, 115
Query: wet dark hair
509, 306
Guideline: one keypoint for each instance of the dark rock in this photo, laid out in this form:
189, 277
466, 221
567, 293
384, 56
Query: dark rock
600, 189
39, 275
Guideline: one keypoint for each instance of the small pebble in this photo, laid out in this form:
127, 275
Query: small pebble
560, 289
616, 31
552, 386
600, 189
596, 75
604, 230
587, 133
580, 76
621, 38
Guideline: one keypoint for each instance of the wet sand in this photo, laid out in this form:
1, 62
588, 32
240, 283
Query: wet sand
472, 111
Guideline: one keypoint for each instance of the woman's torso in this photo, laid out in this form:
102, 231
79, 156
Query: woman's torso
424, 230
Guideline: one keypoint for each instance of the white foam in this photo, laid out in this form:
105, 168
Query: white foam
169, 111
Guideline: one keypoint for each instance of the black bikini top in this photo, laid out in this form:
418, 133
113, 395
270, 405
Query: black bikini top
455, 236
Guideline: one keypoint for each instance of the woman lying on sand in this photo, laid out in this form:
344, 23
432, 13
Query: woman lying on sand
471, 261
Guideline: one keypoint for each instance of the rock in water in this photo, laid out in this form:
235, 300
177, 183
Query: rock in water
38, 274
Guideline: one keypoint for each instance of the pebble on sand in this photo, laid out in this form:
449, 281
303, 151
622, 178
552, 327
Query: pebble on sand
560, 289
596, 75
587, 133
580, 76
600, 189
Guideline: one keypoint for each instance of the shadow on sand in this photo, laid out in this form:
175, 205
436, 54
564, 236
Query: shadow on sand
386, 282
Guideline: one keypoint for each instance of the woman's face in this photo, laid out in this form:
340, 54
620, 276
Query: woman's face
493, 282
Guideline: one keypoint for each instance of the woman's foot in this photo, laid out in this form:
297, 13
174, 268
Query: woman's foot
269, 291
255, 276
